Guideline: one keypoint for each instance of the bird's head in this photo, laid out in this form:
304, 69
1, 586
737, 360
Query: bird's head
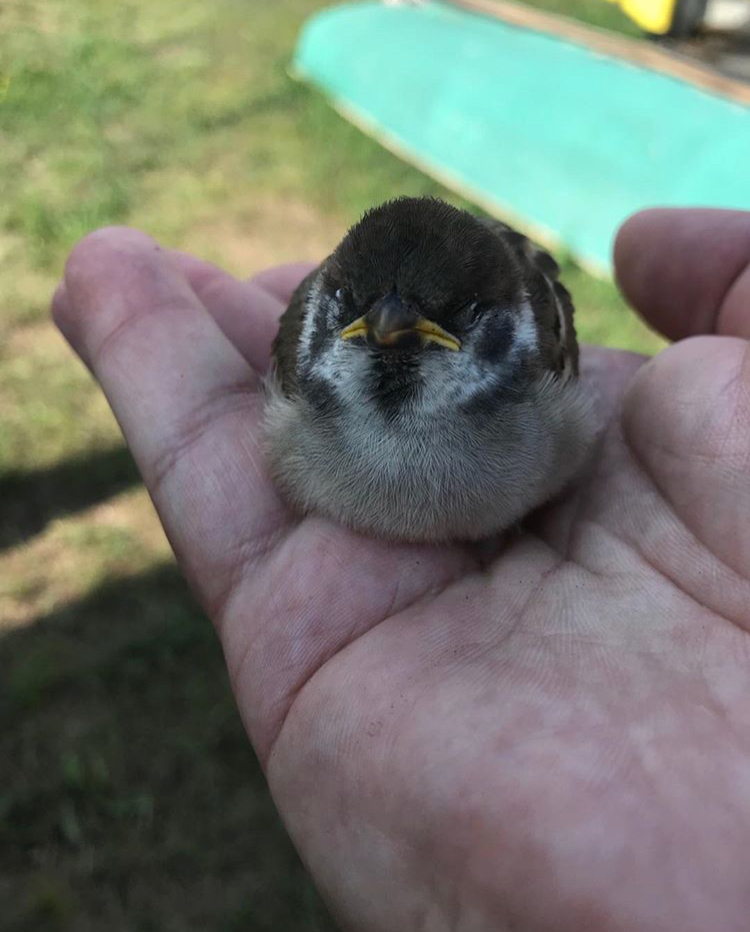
420, 304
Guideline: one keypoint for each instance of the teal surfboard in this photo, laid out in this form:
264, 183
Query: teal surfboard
540, 130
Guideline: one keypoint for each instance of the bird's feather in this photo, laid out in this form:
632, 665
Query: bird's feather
286, 342
549, 298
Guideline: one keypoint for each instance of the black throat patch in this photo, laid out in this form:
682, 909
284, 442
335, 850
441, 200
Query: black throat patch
395, 382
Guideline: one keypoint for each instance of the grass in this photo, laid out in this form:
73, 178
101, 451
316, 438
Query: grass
131, 800
594, 12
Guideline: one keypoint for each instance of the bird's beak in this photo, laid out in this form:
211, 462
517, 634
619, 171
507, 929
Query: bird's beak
389, 324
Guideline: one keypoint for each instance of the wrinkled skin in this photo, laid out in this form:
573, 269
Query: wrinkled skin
560, 741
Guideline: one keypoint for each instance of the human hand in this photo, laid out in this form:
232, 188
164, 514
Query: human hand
559, 741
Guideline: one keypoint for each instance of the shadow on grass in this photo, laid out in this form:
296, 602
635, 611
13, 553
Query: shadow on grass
29, 500
130, 797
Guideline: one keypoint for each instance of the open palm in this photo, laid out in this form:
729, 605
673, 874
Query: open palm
556, 740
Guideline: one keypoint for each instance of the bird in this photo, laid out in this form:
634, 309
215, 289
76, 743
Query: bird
424, 384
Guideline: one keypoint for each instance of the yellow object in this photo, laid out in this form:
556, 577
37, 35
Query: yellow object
434, 333
357, 329
654, 16
428, 329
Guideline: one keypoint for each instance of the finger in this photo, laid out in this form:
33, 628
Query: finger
247, 314
687, 420
63, 316
185, 398
281, 280
687, 271
228, 300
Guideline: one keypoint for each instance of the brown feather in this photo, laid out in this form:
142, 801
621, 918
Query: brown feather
550, 299
286, 342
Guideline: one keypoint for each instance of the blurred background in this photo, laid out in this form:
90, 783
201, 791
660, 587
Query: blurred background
129, 798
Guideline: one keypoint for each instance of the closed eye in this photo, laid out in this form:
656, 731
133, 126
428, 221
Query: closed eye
472, 314
343, 298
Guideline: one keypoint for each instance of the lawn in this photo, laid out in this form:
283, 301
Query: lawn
130, 799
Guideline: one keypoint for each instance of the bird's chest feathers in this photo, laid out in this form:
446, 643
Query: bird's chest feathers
388, 420
393, 394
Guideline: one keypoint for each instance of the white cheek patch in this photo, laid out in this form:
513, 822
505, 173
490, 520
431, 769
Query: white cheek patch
456, 378
525, 337
344, 369
452, 379
341, 366
308, 324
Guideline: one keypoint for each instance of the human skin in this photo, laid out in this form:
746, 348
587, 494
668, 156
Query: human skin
556, 740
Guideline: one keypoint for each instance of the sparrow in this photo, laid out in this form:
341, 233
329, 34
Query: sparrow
424, 381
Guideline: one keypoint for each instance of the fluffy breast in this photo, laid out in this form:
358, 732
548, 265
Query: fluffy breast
427, 476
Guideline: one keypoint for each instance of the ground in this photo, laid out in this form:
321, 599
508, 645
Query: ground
130, 799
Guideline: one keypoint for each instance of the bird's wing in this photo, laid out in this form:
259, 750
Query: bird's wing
549, 299
526, 250
286, 343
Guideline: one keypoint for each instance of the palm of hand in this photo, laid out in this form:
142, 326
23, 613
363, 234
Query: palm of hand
557, 741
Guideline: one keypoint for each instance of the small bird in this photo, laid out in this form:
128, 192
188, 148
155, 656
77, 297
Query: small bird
424, 384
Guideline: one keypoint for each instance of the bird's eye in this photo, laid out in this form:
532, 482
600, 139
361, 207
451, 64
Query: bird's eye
473, 312
340, 295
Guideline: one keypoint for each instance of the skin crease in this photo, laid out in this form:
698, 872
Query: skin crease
558, 742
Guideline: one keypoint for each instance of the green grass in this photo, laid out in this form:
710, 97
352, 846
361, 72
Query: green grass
594, 12
132, 800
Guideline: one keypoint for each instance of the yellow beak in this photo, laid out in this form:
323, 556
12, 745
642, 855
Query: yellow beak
428, 330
